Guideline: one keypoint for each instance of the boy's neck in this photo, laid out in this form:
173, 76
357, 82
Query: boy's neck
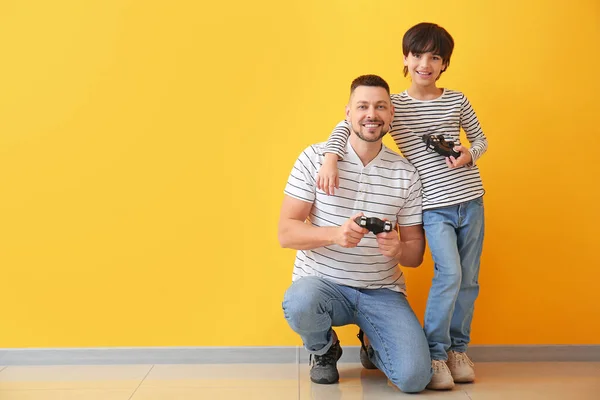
424, 92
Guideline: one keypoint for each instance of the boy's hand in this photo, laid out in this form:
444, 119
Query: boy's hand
350, 233
464, 158
328, 176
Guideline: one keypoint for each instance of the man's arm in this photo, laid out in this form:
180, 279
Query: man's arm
408, 249
412, 246
295, 233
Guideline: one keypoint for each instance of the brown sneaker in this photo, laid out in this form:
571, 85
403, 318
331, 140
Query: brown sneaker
461, 367
442, 378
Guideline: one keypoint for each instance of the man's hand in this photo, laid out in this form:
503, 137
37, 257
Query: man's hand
350, 233
328, 177
464, 158
389, 243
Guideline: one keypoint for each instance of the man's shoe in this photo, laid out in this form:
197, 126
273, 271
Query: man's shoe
364, 352
461, 367
442, 378
323, 368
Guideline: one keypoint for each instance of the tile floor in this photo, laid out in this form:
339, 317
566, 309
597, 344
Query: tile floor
496, 381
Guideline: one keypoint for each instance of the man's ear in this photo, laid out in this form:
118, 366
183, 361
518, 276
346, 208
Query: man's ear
348, 113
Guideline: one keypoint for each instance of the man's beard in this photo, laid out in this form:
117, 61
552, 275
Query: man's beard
370, 140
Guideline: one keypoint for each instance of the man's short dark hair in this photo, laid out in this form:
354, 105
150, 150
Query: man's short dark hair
428, 38
369, 80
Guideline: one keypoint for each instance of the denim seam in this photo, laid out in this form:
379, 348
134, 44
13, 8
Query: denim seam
387, 354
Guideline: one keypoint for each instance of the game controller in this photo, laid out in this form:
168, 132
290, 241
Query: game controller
374, 224
438, 144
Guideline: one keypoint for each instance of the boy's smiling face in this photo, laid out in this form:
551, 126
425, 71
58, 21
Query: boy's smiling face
425, 68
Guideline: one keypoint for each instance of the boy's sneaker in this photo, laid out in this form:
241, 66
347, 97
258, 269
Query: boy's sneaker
442, 378
364, 352
324, 368
461, 367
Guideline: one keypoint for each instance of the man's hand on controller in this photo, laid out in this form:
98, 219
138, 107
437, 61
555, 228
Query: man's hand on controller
464, 158
389, 243
350, 233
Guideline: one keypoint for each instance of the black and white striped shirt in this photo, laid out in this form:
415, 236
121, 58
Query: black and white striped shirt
388, 187
445, 115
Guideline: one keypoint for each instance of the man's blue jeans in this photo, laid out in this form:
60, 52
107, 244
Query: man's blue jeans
455, 237
312, 305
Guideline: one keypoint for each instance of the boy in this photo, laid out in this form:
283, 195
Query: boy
453, 216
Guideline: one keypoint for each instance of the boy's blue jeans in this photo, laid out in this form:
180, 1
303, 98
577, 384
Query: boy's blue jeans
455, 237
312, 305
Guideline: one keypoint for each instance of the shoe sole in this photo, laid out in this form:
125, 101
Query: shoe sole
463, 380
441, 388
366, 361
325, 381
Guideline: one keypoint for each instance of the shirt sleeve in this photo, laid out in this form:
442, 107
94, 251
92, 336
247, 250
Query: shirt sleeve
338, 139
411, 212
301, 182
475, 135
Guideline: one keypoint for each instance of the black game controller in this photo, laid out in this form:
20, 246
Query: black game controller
438, 144
374, 224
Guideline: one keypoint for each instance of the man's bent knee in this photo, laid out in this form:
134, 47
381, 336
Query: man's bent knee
412, 377
302, 304
413, 382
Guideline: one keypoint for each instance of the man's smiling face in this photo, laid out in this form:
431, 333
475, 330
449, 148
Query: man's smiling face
370, 112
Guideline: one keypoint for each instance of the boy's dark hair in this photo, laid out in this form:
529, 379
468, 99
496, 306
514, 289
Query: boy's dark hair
369, 80
425, 38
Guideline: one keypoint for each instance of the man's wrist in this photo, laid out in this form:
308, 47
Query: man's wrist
332, 235
398, 252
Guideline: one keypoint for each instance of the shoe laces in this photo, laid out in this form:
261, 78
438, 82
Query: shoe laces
439, 366
462, 358
326, 359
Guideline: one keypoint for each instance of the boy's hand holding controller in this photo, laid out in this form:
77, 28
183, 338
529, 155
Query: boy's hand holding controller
465, 158
328, 177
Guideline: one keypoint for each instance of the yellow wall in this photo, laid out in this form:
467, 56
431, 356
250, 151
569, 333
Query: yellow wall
145, 146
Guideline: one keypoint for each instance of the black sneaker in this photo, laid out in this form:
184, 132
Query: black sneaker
324, 368
364, 352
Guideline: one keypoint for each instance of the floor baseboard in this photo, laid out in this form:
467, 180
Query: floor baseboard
267, 355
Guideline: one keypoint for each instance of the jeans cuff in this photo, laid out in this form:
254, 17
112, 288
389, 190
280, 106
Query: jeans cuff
332, 339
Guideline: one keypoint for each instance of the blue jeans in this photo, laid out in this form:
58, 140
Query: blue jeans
455, 237
312, 305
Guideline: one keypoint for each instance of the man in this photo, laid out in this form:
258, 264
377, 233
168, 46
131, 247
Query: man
344, 274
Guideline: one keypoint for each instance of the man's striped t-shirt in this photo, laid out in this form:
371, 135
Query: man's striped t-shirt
388, 187
444, 115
